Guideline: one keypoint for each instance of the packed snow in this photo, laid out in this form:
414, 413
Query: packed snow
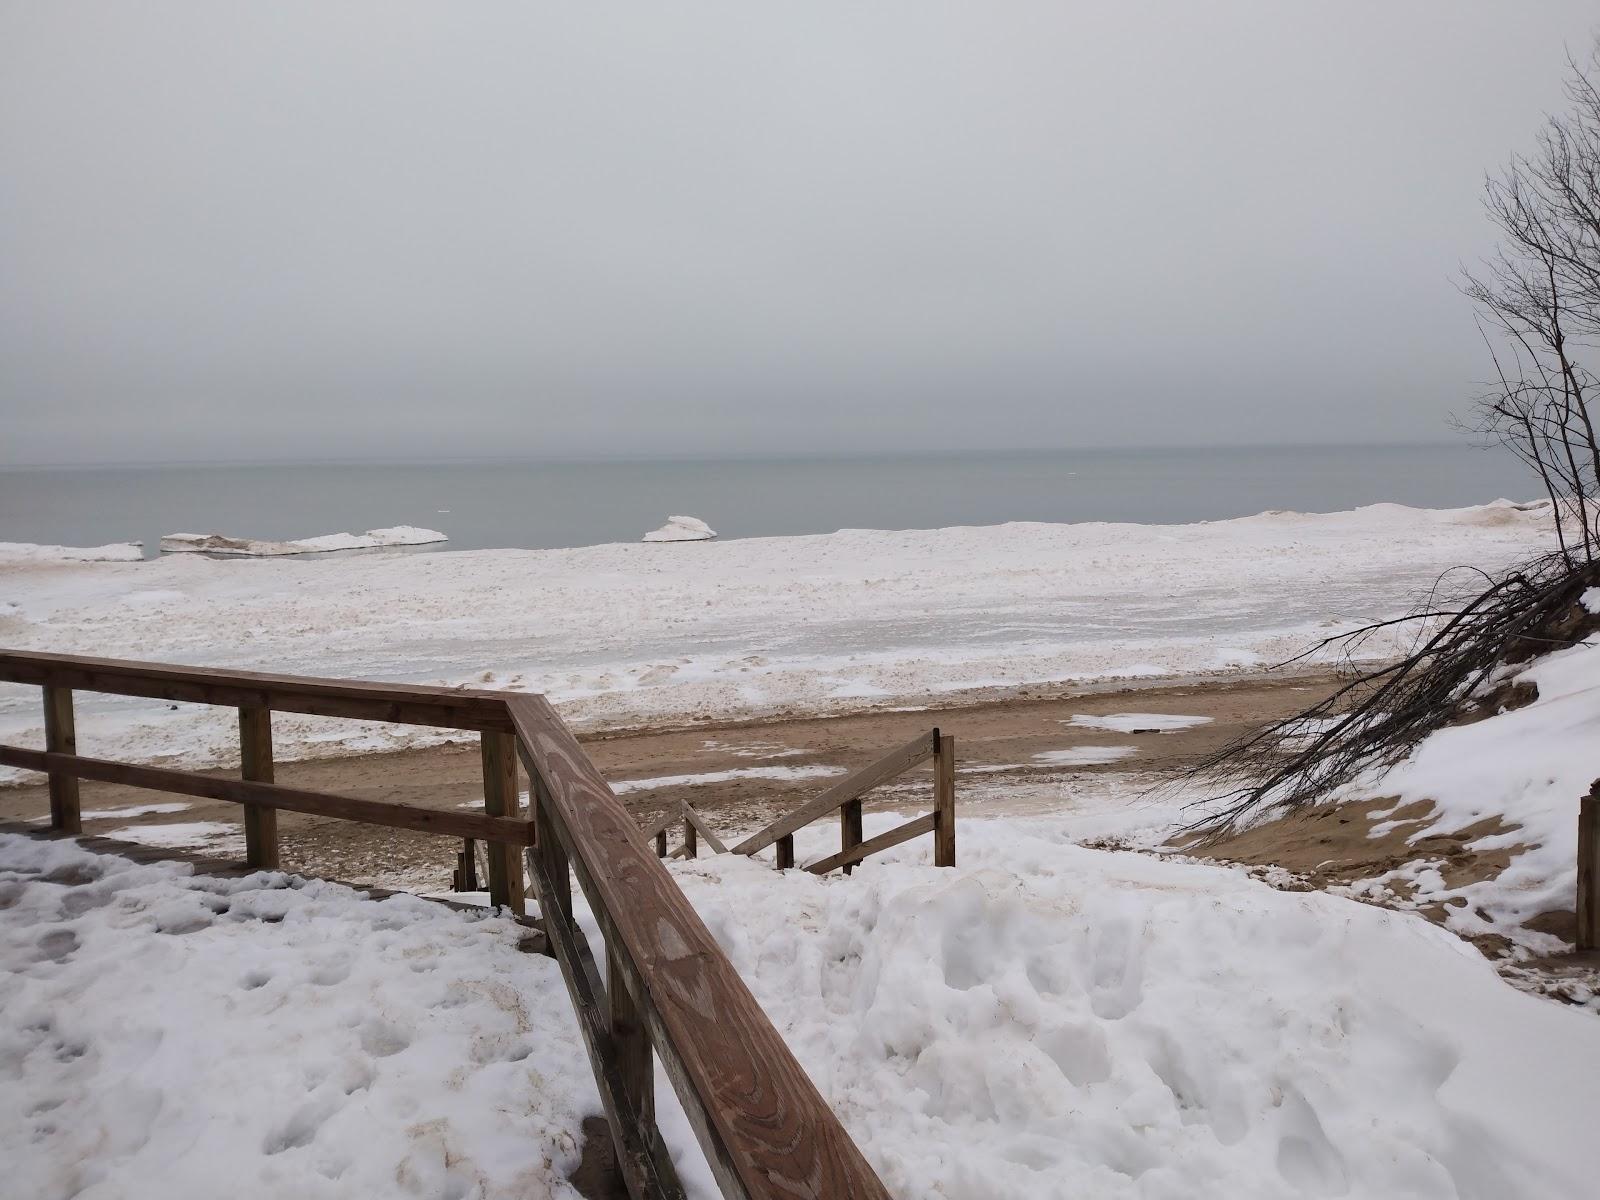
682, 529
1048, 1020
164, 1035
622, 634
1084, 756
217, 543
32, 552
1043, 1020
1137, 722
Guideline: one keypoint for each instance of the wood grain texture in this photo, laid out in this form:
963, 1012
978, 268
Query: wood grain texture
498, 752
696, 822
851, 816
403, 704
241, 791
784, 847
900, 833
255, 763
896, 762
944, 801
766, 1130
1589, 870
641, 1158
61, 737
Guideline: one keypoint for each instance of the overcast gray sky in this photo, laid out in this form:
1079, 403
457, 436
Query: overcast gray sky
394, 229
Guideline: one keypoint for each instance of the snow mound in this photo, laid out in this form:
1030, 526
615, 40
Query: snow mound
216, 543
682, 529
1047, 1020
32, 552
159, 1028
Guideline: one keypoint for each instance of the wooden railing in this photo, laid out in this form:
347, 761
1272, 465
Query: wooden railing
669, 991
845, 798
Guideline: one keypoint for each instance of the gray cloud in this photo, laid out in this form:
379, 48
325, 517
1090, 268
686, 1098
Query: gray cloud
231, 230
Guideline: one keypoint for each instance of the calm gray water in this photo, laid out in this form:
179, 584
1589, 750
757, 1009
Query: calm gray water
540, 504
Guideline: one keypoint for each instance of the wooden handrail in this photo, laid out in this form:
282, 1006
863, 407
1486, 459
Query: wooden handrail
670, 991
272, 795
766, 1130
399, 703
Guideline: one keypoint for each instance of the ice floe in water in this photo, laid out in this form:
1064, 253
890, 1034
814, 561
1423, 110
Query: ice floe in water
372, 539
682, 529
32, 552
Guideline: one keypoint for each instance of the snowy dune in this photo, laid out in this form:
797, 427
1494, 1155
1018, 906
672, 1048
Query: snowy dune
627, 633
1042, 1021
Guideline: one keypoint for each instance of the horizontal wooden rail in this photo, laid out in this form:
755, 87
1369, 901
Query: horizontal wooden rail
915, 827
272, 795
852, 787
766, 1131
402, 704
669, 990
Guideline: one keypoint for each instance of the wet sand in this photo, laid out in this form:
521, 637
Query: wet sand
996, 742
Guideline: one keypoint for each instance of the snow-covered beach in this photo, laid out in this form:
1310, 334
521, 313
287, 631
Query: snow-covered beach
1046, 1019
636, 634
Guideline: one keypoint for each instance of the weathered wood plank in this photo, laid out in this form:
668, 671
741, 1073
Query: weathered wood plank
900, 833
255, 763
403, 704
692, 816
631, 1037
896, 762
641, 1158
659, 825
944, 801
498, 752
1589, 870
766, 1131
785, 851
272, 795
691, 845
850, 819
61, 737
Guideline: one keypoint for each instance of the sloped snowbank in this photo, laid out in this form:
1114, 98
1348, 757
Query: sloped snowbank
216, 543
1047, 1020
1528, 767
161, 1032
33, 552
624, 634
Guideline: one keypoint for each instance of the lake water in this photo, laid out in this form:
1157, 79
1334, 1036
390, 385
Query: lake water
541, 504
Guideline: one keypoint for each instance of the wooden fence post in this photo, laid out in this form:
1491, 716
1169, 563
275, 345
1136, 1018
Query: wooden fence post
944, 800
691, 840
630, 1041
60, 737
255, 764
499, 753
785, 851
1589, 870
849, 828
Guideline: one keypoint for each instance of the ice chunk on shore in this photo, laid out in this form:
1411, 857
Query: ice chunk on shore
682, 529
216, 543
30, 552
